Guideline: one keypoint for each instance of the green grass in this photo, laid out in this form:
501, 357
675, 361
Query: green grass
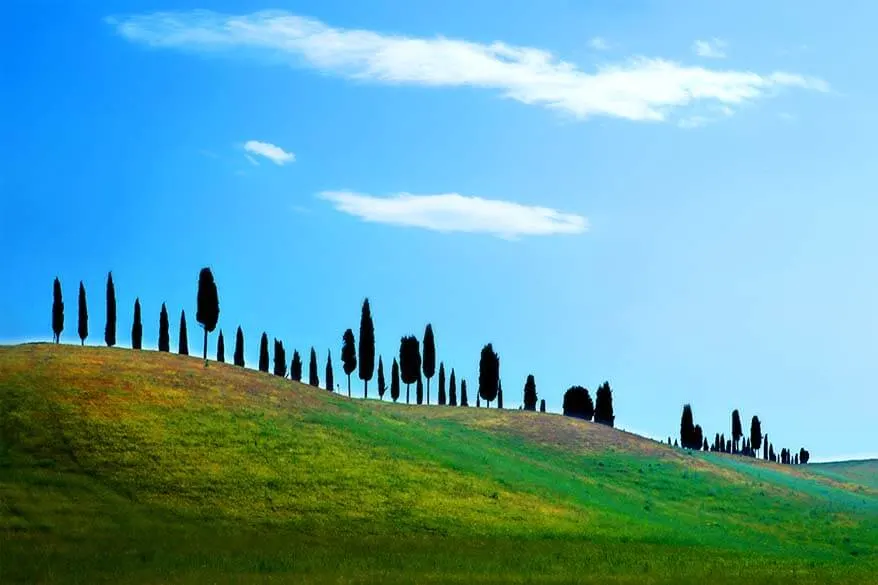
139, 467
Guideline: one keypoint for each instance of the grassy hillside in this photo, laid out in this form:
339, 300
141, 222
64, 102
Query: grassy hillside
139, 467
864, 472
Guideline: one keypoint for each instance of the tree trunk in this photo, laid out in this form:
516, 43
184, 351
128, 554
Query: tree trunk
407, 393
205, 347
428, 390
365, 389
349, 385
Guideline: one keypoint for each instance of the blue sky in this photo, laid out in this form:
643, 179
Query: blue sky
677, 197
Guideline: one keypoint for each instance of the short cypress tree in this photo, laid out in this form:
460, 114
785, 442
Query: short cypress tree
728, 445
755, 434
716, 444
737, 429
348, 356
57, 311
722, 443
409, 362
771, 455
578, 403
110, 329
165, 330
676, 444
804, 456
330, 378
183, 346
603, 405
137, 327
442, 399
220, 348
239, 348
669, 441
765, 448
478, 401
489, 374
367, 347
452, 389
263, 353
280, 359
296, 367
704, 445
394, 381
499, 393
419, 389
464, 400
83, 315
530, 393
543, 405
208, 309
313, 379
687, 427
382, 383
429, 363
697, 438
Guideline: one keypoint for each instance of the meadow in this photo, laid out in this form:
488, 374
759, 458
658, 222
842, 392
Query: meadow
145, 467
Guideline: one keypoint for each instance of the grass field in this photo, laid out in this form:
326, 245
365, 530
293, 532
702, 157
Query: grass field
138, 467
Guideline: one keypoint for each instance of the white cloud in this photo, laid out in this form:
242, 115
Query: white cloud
451, 212
275, 154
714, 49
644, 89
599, 44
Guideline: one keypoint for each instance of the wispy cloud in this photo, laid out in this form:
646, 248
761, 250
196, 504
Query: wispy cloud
640, 88
275, 154
714, 49
451, 212
599, 44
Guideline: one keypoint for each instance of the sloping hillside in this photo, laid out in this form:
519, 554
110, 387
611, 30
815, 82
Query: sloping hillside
123, 466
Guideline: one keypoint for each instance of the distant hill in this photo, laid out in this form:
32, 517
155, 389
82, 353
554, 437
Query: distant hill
140, 467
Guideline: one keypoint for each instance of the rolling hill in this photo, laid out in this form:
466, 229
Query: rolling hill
144, 467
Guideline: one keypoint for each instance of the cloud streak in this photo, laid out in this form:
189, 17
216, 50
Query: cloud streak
451, 212
275, 154
714, 49
638, 89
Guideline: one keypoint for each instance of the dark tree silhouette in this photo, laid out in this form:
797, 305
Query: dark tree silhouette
394, 381
110, 329
728, 445
687, 427
722, 443
755, 435
296, 367
697, 438
577, 403
705, 446
419, 389
797, 459
312, 370
499, 393
220, 348
804, 456
489, 374
183, 345
409, 362
669, 441
137, 327
263, 353
239, 348
543, 405
442, 399
530, 393
165, 330
771, 455
367, 347
348, 356
83, 315
765, 448
737, 430
452, 389
478, 401
676, 444
280, 359
464, 400
208, 306
382, 383
603, 405
57, 311
330, 377
429, 364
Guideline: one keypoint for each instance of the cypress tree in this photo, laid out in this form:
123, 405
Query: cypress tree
603, 405
737, 429
330, 378
419, 389
382, 384
409, 362
687, 427
296, 367
208, 309
530, 393
716, 444
442, 398
280, 359
577, 403
183, 348
263, 353
489, 373
765, 448
543, 405
755, 434
394, 381
239, 348
697, 438
429, 364
500, 394
220, 348
83, 315
110, 329
676, 444
367, 347
137, 327
705, 446
797, 459
722, 443
804, 456
478, 401
452, 389
165, 330
57, 311
349, 356
728, 445
463, 397
312, 370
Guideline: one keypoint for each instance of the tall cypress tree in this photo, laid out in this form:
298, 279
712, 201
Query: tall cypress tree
442, 398
687, 427
409, 362
737, 429
220, 348
280, 359
110, 329
578, 403
489, 374
765, 448
499, 393
394, 380
208, 306
382, 385
137, 327
330, 379
183, 346
367, 347
263, 353
296, 367
164, 330
419, 389
543, 405
348, 356
755, 434
313, 379
83, 315
464, 400
429, 364
603, 406
452, 389
239, 348
57, 311
530, 393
